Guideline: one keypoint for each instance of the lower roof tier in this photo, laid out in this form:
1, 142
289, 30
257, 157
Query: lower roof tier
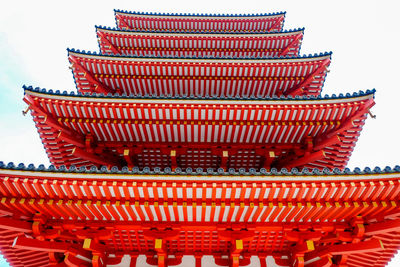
316, 219
234, 23
199, 77
138, 43
117, 131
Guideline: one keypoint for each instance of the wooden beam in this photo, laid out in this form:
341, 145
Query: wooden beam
382, 227
310, 77
94, 158
23, 242
373, 245
122, 21
101, 87
296, 40
347, 124
104, 38
53, 122
15, 225
306, 158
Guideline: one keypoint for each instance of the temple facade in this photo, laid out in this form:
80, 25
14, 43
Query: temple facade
198, 140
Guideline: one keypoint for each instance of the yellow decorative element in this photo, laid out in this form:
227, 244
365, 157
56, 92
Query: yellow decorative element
86, 243
380, 241
310, 245
239, 244
158, 243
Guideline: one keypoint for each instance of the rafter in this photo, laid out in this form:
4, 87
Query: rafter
277, 22
123, 22
331, 137
101, 87
373, 245
293, 43
53, 122
382, 227
15, 225
97, 159
296, 90
111, 46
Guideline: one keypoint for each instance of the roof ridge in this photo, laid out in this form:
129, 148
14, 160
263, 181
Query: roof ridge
200, 31
200, 171
199, 15
274, 98
94, 53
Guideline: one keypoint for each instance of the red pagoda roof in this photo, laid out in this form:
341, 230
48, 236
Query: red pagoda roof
343, 217
86, 130
155, 76
216, 45
192, 23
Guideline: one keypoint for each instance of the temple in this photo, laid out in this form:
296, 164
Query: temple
198, 140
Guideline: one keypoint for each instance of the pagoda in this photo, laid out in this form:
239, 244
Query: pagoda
198, 140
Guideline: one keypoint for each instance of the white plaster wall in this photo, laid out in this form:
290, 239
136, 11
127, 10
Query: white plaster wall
187, 261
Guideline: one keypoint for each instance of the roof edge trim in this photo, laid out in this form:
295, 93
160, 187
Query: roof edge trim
199, 171
94, 53
197, 14
101, 27
124, 96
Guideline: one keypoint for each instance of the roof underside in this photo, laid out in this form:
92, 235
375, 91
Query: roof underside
139, 76
199, 45
201, 214
134, 21
226, 134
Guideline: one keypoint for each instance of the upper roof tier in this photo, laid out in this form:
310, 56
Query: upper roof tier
199, 77
192, 23
217, 45
120, 131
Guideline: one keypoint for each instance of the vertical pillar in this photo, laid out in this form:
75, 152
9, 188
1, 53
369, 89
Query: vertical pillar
198, 258
224, 159
128, 158
235, 253
173, 160
268, 159
97, 261
161, 254
133, 260
263, 259
98, 252
299, 250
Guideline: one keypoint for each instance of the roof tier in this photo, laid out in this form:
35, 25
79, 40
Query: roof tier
347, 217
191, 23
198, 133
198, 77
216, 45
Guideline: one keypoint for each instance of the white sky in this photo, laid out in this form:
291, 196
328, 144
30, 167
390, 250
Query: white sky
363, 35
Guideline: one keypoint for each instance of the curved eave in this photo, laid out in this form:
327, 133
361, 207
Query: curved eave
304, 58
43, 93
274, 176
211, 16
200, 33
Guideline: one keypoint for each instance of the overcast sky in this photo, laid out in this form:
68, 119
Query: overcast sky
363, 35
